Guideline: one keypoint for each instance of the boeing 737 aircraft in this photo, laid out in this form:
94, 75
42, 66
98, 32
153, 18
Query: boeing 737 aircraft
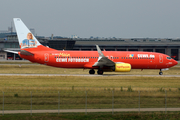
117, 61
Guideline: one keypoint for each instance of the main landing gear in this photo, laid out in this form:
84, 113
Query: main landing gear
160, 73
99, 72
91, 71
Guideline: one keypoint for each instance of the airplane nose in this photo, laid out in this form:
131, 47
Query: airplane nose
175, 62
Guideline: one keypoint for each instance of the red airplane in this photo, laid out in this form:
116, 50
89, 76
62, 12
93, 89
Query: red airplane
118, 61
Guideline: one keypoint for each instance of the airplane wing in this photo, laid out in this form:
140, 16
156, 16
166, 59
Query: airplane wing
103, 60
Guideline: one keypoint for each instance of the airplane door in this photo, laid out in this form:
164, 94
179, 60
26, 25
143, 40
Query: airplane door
160, 59
46, 57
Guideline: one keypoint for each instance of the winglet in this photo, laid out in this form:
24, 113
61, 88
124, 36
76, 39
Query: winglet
99, 51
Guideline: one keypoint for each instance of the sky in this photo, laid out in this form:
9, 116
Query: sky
97, 18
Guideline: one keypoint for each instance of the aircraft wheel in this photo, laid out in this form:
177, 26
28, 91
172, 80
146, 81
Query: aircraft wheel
91, 71
100, 72
160, 73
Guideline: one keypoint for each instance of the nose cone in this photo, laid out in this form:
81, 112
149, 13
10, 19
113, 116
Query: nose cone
174, 62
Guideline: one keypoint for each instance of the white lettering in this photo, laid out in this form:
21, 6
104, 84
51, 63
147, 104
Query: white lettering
152, 56
142, 55
61, 59
57, 60
64, 59
72, 60
145, 56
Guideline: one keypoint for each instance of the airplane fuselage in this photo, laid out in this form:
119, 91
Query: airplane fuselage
86, 59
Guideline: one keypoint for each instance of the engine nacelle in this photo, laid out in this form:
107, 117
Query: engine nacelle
122, 67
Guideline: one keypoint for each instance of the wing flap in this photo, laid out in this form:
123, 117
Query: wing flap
89, 65
104, 61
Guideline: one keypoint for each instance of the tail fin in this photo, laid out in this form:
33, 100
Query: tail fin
25, 37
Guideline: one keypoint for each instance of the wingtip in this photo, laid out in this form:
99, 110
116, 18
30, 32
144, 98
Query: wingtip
97, 46
99, 51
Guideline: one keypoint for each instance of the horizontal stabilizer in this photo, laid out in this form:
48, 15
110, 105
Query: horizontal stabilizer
24, 52
15, 52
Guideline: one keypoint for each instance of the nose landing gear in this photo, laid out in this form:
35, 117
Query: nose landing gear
160, 73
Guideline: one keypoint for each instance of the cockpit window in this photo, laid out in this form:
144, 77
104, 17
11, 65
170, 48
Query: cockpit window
169, 58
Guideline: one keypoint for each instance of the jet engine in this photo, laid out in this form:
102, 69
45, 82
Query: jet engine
122, 67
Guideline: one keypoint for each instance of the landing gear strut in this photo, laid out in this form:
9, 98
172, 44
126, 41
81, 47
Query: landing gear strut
160, 73
91, 71
100, 72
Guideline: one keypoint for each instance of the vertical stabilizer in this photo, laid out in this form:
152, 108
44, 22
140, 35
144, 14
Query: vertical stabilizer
25, 37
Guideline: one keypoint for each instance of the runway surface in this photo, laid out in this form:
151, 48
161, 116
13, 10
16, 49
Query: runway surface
90, 110
87, 75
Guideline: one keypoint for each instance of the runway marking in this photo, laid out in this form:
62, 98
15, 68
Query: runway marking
87, 75
90, 110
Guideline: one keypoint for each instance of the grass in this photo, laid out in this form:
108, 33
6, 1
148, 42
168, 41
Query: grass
76, 82
76, 99
42, 69
16, 62
72, 89
97, 116
99, 92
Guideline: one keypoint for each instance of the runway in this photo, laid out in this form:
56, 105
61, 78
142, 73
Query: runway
87, 75
90, 110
